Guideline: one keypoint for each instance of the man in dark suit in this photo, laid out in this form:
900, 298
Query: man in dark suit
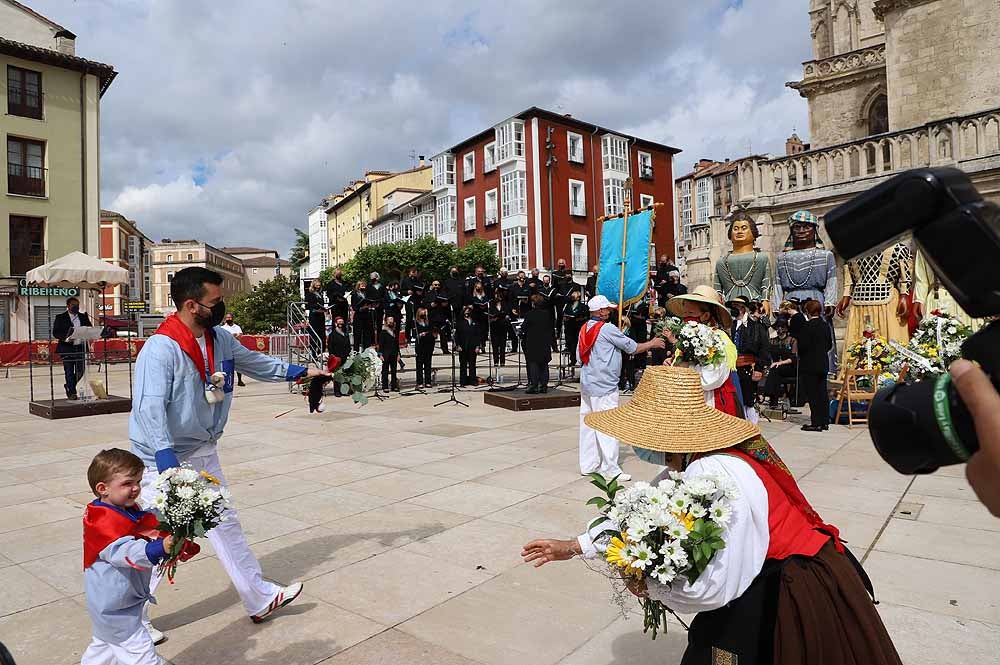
591, 288
467, 341
73, 354
814, 342
536, 334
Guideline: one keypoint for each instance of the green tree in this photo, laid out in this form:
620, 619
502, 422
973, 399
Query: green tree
265, 309
300, 252
432, 257
477, 252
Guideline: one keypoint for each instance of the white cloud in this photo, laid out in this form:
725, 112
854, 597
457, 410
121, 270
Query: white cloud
268, 106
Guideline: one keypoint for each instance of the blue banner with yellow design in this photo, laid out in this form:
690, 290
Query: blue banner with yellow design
609, 277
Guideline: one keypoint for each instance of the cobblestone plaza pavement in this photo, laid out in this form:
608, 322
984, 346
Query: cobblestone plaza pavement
405, 522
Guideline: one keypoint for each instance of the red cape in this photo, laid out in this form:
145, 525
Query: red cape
588, 337
175, 329
103, 526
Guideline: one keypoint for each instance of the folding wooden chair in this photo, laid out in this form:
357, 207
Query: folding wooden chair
850, 391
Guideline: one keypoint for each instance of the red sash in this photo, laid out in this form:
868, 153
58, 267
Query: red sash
175, 329
588, 337
103, 526
794, 526
726, 399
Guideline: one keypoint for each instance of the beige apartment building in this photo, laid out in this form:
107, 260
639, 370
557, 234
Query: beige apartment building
349, 213
260, 265
49, 123
169, 256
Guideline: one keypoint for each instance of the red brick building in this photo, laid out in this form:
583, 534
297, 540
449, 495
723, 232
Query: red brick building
502, 186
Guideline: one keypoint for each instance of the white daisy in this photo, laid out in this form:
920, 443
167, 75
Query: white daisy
643, 556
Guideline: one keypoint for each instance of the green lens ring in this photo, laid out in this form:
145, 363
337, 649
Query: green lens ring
942, 413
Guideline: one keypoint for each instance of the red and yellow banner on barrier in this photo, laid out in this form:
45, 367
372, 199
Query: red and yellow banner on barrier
112, 350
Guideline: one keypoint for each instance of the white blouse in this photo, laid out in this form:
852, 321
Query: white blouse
734, 567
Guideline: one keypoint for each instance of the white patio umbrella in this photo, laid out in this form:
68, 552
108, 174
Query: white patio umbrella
79, 270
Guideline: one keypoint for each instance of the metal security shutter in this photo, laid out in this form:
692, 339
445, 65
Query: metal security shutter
41, 320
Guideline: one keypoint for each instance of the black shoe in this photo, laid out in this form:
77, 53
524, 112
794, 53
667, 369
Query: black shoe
241, 384
543, 389
826, 427
70, 394
531, 391
812, 428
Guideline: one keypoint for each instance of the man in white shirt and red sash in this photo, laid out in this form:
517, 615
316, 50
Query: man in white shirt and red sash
183, 390
600, 351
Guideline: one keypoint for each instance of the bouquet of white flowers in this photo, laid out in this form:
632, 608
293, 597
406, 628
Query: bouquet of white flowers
189, 505
668, 532
936, 342
359, 373
696, 343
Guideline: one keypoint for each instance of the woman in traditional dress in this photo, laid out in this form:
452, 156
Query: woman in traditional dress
720, 382
784, 589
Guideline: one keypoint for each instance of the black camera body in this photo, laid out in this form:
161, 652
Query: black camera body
921, 427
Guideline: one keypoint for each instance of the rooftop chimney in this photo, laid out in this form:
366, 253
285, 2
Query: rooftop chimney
421, 157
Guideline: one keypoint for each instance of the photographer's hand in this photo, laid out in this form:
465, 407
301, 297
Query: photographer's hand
983, 401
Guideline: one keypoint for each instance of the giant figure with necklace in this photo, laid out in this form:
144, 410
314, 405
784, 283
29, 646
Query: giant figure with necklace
745, 271
806, 269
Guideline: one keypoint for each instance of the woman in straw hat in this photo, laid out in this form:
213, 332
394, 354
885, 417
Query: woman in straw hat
784, 589
720, 383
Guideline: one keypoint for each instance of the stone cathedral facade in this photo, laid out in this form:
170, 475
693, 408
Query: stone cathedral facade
893, 85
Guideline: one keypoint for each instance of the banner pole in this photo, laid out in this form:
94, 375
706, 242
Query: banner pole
621, 281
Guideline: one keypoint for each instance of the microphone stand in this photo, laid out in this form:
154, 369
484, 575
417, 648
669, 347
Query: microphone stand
451, 397
377, 395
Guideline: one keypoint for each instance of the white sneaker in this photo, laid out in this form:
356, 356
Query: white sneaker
158, 636
281, 599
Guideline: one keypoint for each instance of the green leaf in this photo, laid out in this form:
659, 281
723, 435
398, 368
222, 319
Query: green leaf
707, 551
356, 381
594, 522
199, 529
345, 388
363, 398
598, 501
599, 481
614, 533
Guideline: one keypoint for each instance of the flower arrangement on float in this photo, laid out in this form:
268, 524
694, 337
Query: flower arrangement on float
935, 344
873, 351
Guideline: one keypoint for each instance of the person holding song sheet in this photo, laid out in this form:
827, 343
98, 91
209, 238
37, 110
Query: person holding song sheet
424, 343
439, 310
467, 340
499, 323
536, 335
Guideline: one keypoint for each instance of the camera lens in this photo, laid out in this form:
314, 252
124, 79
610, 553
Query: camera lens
920, 427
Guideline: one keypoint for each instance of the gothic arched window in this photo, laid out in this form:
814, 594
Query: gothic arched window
878, 116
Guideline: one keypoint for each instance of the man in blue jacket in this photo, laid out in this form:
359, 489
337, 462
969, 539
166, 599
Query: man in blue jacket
182, 394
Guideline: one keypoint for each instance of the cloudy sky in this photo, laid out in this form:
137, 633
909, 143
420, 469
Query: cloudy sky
230, 119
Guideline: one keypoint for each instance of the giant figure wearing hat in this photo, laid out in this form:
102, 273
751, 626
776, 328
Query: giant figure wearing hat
877, 291
806, 269
745, 271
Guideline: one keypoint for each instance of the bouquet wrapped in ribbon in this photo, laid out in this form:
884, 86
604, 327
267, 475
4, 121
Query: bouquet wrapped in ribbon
189, 505
697, 344
935, 344
668, 532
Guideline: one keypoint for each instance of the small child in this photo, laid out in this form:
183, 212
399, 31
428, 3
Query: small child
120, 547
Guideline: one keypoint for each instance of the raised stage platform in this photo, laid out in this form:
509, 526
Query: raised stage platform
517, 400
74, 408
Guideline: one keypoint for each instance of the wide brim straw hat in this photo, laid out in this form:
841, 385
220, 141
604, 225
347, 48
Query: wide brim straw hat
668, 414
703, 294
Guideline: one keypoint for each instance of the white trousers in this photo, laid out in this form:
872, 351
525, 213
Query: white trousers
138, 649
598, 452
228, 541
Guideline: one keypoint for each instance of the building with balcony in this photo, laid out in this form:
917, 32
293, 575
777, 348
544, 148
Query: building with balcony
49, 201
319, 239
168, 256
894, 85
349, 214
536, 184
397, 219
123, 244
